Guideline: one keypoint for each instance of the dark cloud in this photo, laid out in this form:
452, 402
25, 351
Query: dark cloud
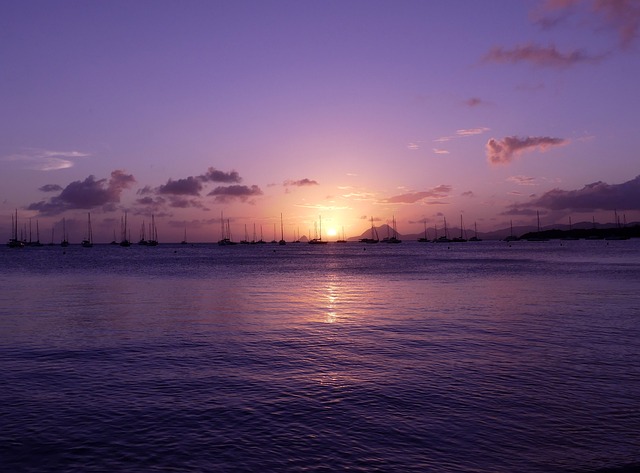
596, 196
237, 192
438, 192
542, 56
189, 186
301, 182
87, 194
619, 16
506, 150
50, 188
214, 175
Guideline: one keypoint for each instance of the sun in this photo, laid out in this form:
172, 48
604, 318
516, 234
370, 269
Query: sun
331, 232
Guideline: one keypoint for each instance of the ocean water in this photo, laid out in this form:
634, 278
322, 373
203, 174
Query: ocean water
473, 357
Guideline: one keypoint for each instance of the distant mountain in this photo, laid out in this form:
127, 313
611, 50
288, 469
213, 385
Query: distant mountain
580, 229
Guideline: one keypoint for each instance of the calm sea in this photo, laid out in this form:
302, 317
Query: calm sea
472, 357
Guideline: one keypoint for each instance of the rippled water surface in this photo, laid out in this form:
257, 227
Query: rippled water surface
476, 357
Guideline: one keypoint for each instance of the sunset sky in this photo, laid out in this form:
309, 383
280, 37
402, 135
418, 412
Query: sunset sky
346, 109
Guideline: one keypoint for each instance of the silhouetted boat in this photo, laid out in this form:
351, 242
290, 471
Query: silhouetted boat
124, 241
13, 241
88, 242
226, 233
461, 238
374, 235
537, 236
511, 236
184, 241
153, 232
319, 240
445, 237
424, 239
281, 242
394, 237
343, 239
65, 237
475, 237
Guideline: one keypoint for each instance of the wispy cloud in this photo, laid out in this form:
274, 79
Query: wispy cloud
440, 151
46, 160
619, 16
523, 180
438, 192
472, 131
474, 102
541, 56
506, 150
300, 182
87, 194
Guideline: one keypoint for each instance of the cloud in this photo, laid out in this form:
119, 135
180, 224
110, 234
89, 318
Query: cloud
224, 194
440, 151
540, 56
189, 186
413, 146
506, 150
472, 131
50, 188
523, 180
619, 16
214, 175
87, 194
596, 196
413, 197
300, 182
474, 102
468, 194
46, 160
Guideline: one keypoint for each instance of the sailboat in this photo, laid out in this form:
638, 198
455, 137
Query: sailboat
88, 242
153, 232
444, 238
475, 237
511, 236
319, 240
281, 242
343, 239
461, 238
184, 240
124, 240
394, 237
570, 235
13, 241
424, 239
537, 236
65, 238
226, 233
374, 235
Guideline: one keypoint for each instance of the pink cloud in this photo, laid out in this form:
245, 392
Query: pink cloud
506, 150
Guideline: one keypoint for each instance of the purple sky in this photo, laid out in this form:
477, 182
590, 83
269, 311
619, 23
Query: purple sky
350, 109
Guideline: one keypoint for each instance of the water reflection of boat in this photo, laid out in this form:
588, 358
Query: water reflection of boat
374, 235
88, 242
